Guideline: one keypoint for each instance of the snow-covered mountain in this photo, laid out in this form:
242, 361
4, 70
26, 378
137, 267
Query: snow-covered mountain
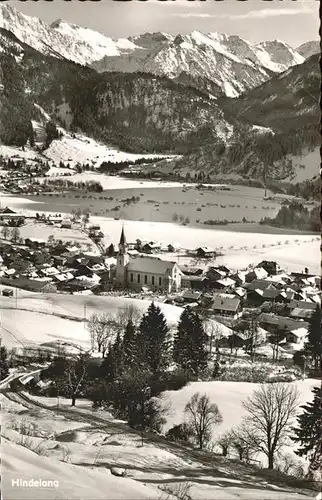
308, 49
61, 39
214, 62
232, 63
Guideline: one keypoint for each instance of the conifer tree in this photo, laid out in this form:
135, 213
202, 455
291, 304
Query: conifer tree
112, 364
181, 344
153, 340
129, 343
4, 368
190, 343
308, 434
314, 344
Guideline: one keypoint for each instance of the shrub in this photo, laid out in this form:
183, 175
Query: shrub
181, 432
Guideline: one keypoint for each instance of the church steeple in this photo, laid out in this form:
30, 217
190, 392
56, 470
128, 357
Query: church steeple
122, 243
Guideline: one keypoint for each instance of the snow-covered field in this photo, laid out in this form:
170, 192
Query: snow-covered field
292, 252
73, 150
37, 317
43, 231
34, 321
110, 182
82, 149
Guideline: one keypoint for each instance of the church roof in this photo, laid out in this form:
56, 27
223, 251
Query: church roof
151, 265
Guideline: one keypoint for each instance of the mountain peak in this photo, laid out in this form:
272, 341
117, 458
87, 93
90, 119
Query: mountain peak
308, 49
56, 23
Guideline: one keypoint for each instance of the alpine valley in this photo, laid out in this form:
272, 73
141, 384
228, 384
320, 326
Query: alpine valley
221, 105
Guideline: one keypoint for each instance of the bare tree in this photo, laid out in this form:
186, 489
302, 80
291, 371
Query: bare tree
252, 336
225, 441
201, 416
75, 375
214, 332
270, 413
101, 326
15, 235
244, 442
5, 232
127, 313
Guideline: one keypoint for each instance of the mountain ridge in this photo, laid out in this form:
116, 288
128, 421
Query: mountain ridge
223, 63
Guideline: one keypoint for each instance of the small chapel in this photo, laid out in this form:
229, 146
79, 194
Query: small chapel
139, 271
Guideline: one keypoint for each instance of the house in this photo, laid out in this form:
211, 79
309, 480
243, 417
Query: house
55, 218
79, 285
237, 340
302, 304
270, 266
301, 313
214, 274
258, 273
297, 336
205, 252
194, 282
30, 285
226, 305
151, 247
281, 278
259, 296
35, 242
273, 323
223, 284
285, 295
7, 211
10, 217
240, 292
66, 224
239, 277
190, 296
137, 271
191, 271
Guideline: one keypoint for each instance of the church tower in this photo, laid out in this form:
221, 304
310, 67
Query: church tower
122, 261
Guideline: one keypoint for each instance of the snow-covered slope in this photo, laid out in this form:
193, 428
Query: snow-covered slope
308, 49
280, 55
61, 39
56, 479
231, 63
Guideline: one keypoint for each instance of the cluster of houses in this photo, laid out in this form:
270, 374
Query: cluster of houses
280, 304
17, 173
58, 267
11, 218
283, 302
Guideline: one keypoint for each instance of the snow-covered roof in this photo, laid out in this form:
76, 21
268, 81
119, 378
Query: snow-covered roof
226, 282
300, 332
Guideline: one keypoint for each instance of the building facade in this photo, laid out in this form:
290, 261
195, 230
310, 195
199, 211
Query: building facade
138, 271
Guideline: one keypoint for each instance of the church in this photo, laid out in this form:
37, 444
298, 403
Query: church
144, 271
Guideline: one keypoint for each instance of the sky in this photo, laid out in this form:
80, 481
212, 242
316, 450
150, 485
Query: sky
293, 21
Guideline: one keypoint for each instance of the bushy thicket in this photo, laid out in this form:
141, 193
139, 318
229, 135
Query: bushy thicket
244, 371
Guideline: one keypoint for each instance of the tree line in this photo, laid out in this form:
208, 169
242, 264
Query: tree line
296, 216
66, 184
140, 361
